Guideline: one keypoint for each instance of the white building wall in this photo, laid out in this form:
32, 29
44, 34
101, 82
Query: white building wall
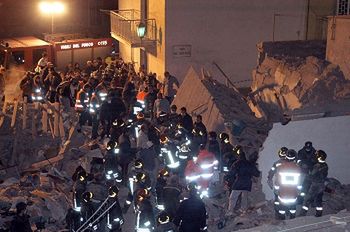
226, 31
328, 134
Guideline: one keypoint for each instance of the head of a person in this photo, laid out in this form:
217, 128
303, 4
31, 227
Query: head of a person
160, 96
173, 108
183, 111
89, 63
212, 135
199, 118
44, 55
167, 74
87, 87
308, 146
21, 208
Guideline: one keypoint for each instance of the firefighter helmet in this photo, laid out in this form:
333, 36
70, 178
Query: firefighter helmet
138, 164
291, 154
163, 218
237, 149
282, 152
321, 156
142, 194
113, 191
111, 145
140, 177
163, 173
87, 196
163, 139
192, 186
82, 175
224, 136
119, 123
308, 144
140, 116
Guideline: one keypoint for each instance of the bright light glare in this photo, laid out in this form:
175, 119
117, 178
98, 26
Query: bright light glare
51, 7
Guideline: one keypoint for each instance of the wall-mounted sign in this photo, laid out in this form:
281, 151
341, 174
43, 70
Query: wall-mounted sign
84, 44
182, 51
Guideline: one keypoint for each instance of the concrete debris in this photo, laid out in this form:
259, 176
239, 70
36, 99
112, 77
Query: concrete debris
282, 85
222, 109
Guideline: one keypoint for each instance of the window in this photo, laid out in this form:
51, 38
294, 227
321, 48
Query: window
343, 7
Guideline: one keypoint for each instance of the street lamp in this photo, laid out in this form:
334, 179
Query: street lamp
141, 30
51, 8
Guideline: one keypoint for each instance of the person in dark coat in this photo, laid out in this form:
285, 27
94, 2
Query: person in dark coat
200, 127
186, 120
191, 215
171, 196
239, 181
214, 146
20, 223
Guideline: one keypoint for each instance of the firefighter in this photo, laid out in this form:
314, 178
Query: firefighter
80, 180
282, 157
164, 223
168, 153
115, 218
111, 162
306, 160
171, 196
226, 149
37, 92
102, 89
82, 105
214, 146
94, 110
202, 130
117, 129
191, 214
192, 171
144, 211
287, 186
160, 184
137, 168
318, 176
87, 208
207, 163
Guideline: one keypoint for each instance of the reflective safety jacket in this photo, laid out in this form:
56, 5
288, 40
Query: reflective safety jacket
95, 105
82, 101
192, 172
37, 94
288, 182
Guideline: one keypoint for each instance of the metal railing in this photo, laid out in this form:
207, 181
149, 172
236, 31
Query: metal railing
124, 24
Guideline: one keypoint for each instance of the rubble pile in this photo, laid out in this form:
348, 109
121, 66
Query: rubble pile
46, 194
222, 109
283, 84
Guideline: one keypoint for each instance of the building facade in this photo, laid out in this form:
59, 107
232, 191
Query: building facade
186, 33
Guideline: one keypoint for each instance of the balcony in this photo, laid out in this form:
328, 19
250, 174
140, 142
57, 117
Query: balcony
124, 28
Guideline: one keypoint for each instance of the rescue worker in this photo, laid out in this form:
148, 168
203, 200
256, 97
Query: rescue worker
318, 176
37, 92
111, 162
173, 117
126, 153
81, 105
168, 153
171, 196
87, 208
192, 171
239, 181
137, 168
165, 224
102, 89
287, 186
26, 85
20, 222
115, 218
117, 129
214, 146
160, 184
226, 150
79, 187
144, 211
207, 163
306, 160
282, 157
191, 214
94, 110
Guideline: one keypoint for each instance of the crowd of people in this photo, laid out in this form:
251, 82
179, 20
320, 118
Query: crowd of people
167, 162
